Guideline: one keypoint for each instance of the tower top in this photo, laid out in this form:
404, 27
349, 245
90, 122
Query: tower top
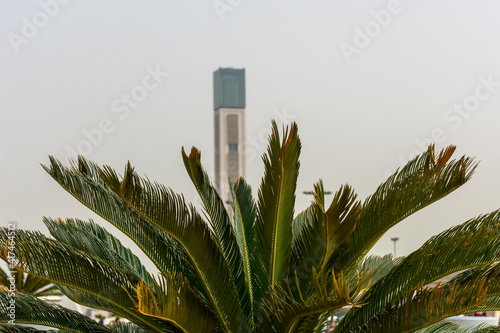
229, 88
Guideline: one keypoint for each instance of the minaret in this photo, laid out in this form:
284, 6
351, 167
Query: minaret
229, 128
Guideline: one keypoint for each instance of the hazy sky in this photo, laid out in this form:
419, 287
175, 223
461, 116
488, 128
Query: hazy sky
369, 84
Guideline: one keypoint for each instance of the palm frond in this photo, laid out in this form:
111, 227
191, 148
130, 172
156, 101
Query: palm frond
224, 234
31, 310
244, 212
173, 300
97, 243
470, 244
65, 266
340, 221
276, 208
98, 189
424, 180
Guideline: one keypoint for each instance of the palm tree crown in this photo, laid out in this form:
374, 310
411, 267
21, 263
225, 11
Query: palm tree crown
265, 269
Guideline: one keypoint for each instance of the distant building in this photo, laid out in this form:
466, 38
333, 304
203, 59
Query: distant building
229, 128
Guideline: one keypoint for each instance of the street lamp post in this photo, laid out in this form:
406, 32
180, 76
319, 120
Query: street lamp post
394, 239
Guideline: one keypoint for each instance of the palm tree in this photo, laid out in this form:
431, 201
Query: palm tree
265, 270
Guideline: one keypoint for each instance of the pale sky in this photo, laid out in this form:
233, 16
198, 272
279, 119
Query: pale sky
369, 84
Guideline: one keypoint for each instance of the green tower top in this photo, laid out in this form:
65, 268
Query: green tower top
229, 88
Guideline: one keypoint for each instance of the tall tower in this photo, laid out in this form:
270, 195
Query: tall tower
229, 128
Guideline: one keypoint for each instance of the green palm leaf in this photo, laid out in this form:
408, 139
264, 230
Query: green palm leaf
275, 208
218, 217
244, 211
424, 180
338, 222
31, 310
97, 243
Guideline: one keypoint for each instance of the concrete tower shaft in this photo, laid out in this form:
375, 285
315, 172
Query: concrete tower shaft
229, 128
